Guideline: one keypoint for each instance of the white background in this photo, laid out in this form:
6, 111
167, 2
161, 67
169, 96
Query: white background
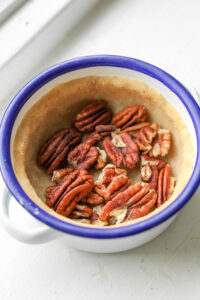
165, 33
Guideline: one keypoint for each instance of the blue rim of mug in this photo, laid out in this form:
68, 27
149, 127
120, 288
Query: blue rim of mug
44, 77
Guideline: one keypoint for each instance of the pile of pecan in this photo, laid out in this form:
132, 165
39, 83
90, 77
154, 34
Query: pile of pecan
111, 145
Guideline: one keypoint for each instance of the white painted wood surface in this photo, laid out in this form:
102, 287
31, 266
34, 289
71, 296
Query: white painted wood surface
31, 33
165, 33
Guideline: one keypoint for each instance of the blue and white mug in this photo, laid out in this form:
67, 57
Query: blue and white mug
88, 238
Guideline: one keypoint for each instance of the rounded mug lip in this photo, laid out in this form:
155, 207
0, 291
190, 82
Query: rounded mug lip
79, 63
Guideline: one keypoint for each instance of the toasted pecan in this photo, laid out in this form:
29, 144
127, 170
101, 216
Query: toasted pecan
122, 150
91, 115
74, 187
54, 152
129, 116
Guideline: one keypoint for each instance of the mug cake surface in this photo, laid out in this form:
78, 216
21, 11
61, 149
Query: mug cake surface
58, 108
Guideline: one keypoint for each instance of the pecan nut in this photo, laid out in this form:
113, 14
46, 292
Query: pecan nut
85, 154
104, 130
134, 130
111, 181
107, 174
91, 115
54, 152
81, 211
126, 198
150, 174
118, 184
152, 161
93, 138
158, 174
122, 150
129, 116
161, 144
74, 187
166, 185
150, 167
143, 207
145, 137
93, 198
100, 132
58, 175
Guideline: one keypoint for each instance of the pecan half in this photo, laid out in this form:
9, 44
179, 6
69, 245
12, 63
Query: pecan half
166, 185
143, 207
117, 185
91, 115
134, 130
85, 154
92, 138
58, 175
161, 144
152, 161
111, 181
107, 174
74, 187
129, 116
105, 130
122, 150
100, 132
150, 174
145, 137
81, 211
53, 153
150, 167
93, 198
126, 198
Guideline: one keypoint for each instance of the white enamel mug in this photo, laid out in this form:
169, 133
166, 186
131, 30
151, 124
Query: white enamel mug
104, 240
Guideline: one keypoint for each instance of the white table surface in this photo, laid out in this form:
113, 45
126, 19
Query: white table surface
165, 33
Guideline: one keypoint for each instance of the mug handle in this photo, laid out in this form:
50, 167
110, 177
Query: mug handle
39, 235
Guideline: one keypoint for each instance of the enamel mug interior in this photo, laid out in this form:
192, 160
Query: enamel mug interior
169, 87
